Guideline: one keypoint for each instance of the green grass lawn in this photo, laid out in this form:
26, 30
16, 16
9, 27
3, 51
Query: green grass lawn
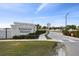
27, 48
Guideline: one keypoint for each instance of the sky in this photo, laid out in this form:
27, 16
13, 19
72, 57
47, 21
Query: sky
39, 13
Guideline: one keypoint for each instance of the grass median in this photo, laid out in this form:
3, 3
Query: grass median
27, 48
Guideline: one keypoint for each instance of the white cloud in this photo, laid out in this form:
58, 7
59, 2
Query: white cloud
53, 6
40, 7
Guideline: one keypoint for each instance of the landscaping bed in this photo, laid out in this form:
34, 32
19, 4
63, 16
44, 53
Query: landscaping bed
30, 36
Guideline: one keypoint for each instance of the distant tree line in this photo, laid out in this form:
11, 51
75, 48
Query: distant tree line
45, 27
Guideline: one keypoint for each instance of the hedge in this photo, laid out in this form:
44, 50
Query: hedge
75, 33
30, 36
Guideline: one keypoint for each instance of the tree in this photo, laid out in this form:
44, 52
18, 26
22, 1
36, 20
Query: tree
44, 27
73, 26
38, 26
78, 26
50, 28
70, 27
54, 28
61, 27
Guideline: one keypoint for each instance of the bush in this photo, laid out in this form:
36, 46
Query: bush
40, 32
15, 37
77, 34
30, 36
19, 37
65, 32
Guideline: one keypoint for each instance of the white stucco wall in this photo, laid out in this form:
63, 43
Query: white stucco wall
17, 29
22, 28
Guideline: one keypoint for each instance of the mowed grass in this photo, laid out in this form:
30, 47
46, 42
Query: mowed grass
26, 48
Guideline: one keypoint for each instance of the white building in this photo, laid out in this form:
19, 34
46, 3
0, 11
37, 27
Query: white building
17, 29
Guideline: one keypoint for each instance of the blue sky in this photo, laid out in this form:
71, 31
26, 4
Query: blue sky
39, 13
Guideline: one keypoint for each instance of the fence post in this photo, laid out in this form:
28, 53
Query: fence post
5, 33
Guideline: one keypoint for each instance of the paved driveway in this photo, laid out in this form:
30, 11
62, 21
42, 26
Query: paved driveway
71, 43
61, 37
42, 37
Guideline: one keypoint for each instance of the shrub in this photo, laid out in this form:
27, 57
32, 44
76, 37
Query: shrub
77, 34
30, 35
65, 32
19, 37
15, 37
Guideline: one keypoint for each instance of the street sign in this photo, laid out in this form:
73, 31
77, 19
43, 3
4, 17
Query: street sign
48, 25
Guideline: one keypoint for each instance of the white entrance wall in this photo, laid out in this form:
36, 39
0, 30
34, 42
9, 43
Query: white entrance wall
18, 29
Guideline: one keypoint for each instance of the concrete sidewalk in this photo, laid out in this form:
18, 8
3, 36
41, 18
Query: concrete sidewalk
42, 37
72, 49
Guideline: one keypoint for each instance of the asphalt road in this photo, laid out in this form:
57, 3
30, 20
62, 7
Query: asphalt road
62, 38
71, 43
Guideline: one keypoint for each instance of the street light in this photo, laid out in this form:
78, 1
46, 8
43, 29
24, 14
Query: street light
66, 18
